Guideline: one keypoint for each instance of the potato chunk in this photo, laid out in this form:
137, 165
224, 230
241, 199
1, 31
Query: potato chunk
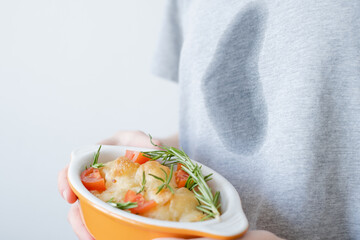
152, 184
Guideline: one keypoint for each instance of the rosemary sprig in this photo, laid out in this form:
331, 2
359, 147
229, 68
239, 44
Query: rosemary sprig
95, 163
166, 181
122, 206
208, 203
142, 184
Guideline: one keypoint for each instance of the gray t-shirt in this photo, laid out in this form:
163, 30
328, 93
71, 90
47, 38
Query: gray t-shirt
270, 98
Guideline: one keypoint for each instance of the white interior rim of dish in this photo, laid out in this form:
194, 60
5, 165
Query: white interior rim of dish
232, 221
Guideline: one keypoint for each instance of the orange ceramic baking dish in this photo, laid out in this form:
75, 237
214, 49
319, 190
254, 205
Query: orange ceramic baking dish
106, 222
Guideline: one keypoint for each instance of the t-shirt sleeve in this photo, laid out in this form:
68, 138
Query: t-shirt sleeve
167, 53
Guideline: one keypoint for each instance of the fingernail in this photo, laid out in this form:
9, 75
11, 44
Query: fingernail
64, 194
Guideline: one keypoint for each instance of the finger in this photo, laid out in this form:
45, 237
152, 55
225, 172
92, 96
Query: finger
259, 235
140, 139
76, 223
109, 141
131, 139
64, 188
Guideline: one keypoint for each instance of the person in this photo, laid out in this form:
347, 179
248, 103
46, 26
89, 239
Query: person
270, 98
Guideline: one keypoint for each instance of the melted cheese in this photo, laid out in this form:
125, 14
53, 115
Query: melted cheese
122, 175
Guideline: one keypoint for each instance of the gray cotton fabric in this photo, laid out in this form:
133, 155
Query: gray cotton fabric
270, 98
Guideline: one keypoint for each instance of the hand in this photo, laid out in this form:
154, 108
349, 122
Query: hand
251, 235
74, 215
125, 138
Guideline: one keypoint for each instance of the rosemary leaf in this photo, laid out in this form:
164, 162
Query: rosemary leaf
122, 206
96, 156
160, 188
98, 165
142, 183
156, 177
95, 163
171, 189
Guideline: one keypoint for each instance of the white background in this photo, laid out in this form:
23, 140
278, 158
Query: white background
72, 72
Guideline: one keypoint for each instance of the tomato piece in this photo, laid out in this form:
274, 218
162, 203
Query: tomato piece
136, 156
146, 206
181, 176
143, 205
132, 196
129, 154
92, 179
